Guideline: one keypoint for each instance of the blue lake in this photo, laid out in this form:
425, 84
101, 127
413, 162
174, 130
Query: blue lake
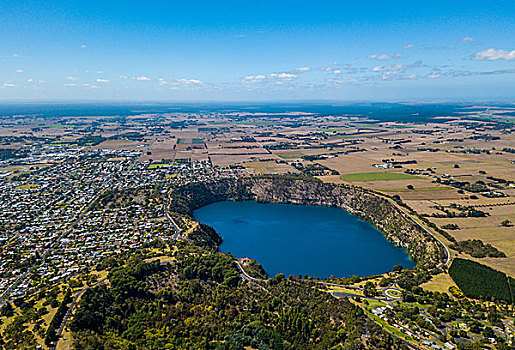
302, 240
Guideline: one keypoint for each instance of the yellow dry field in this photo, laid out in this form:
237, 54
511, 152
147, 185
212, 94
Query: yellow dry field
422, 206
193, 155
469, 164
400, 185
23, 168
161, 149
120, 145
350, 164
237, 151
489, 230
433, 195
225, 160
290, 154
439, 283
270, 167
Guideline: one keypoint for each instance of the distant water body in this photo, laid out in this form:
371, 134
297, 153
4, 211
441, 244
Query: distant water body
418, 113
302, 240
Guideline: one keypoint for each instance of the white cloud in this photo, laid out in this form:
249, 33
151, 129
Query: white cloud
272, 78
103, 81
100, 72
433, 75
253, 78
303, 69
30, 80
83, 46
326, 69
494, 55
15, 55
383, 57
392, 67
141, 78
337, 71
18, 71
409, 46
80, 85
190, 81
7, 85
341, 81
399, 68
285, 76
467, 39
71, 78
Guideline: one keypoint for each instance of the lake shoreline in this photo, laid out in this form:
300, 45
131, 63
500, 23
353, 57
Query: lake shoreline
395, 225
302, 240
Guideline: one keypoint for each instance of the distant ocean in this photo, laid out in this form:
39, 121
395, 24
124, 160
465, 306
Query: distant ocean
404, 112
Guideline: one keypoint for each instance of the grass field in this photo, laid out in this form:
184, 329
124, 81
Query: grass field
270, 167
160, 165
439, 283
344, 290
364, 177
415, 189
197, 141
290, 155
27, 186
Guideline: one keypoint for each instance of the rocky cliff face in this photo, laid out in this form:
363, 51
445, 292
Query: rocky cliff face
394, 224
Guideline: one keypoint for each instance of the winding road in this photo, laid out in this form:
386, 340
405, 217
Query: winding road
244, 275
448, 257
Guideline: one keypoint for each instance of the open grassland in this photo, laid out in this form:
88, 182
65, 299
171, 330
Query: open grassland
428, 195
117, 145
28, 186
290, 155
442, 188
343, 290
439, 283
270, 167
161, 149
377, 176
349, 164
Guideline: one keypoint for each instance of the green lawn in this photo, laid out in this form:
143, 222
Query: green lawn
27, 187
377, 177
159, 165
196, 141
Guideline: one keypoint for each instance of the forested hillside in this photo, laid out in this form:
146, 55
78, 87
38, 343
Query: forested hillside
198, 301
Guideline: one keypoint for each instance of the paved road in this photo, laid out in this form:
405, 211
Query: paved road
448, 257
177, 235
244, 275
341, 285
70, 310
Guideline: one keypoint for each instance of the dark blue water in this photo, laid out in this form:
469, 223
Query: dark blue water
302, 240
418, 113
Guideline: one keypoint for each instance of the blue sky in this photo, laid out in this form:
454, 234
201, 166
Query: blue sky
257, 50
